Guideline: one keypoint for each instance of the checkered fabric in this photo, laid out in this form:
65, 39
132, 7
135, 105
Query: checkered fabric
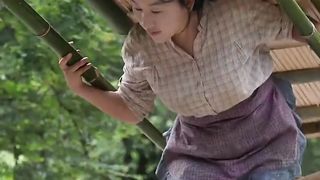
228, 63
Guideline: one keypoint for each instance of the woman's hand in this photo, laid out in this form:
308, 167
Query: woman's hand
72, 74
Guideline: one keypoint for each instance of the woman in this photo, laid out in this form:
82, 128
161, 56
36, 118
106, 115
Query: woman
205, 61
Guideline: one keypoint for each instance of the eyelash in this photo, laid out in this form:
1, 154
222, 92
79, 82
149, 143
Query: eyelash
137, 9
154, 12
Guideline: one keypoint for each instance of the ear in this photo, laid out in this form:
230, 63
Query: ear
190, 4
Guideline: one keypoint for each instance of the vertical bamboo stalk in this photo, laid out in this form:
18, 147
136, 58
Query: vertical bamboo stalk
302, 22
116, 18
41, 28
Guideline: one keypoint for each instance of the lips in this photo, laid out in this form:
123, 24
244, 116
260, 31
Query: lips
153, 33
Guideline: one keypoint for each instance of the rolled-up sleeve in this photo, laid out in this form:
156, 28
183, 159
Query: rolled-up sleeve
134, 89
273, 22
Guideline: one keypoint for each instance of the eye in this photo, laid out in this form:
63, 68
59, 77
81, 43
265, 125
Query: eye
137, 9
156, 12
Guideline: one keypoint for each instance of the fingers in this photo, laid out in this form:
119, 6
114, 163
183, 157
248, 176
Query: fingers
83, 69
79, 64
79, 67
64, 60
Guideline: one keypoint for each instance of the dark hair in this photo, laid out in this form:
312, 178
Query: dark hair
197, 4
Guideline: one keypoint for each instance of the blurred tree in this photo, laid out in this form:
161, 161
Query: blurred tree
41, 137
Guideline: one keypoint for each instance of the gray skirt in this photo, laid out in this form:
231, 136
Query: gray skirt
259, 134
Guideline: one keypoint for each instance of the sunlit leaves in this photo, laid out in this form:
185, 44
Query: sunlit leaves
49, 132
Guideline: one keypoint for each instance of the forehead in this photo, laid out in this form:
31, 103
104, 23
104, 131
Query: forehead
150, 2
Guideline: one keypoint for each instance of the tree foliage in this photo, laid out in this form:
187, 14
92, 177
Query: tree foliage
46, 132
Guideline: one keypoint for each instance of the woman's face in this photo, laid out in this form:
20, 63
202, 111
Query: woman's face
161, 20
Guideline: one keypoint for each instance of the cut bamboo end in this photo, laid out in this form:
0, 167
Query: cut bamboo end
45, 32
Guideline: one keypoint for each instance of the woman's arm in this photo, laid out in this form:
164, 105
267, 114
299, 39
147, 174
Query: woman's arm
296, 39
296, 34
311, 12
108, 102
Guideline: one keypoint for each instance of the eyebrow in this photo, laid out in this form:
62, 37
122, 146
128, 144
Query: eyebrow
155, 3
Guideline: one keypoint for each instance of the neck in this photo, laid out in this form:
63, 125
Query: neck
187, 35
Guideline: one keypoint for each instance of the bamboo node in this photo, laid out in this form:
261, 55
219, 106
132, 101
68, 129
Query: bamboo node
314, 30
46, 32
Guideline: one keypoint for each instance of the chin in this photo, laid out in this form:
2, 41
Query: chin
159, 40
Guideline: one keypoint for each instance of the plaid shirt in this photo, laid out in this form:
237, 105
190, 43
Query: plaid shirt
228, 63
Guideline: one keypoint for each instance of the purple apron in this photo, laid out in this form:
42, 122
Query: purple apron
258, 134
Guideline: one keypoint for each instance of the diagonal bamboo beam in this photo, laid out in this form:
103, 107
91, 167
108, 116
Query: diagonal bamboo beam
309, 112
61, 47
311, 120
283, 44
311, 128
300, 75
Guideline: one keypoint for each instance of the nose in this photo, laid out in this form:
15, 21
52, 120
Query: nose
146, 20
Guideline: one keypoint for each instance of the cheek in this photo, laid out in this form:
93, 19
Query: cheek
168, 26
173, 22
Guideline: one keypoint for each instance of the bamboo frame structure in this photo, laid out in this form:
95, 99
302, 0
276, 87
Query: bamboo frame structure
300, 75
309, 112
301, 21
295, 76
41, 28
309, 31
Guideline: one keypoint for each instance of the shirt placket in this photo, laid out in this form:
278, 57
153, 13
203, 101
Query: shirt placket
197, 70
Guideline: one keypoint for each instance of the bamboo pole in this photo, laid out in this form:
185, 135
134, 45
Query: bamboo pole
308, 113
310, 128
41, 28
301, 21
300, 75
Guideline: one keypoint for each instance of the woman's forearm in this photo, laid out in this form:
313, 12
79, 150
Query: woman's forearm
108, 102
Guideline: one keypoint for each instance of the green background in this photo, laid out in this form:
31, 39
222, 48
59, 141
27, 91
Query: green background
46, 132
